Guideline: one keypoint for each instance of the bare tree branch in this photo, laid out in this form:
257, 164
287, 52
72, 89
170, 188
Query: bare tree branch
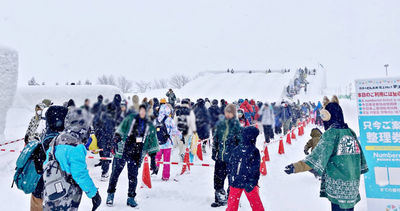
178, 81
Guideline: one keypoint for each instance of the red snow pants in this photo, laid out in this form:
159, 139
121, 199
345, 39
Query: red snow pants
253, 197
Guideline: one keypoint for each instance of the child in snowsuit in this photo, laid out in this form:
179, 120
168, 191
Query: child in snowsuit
165, 152
227, 137
244, 171
338, 158
69, 151
312, 143
135, 137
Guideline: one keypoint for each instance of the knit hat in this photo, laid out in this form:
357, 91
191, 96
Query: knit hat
163, 101
231, 109
249, 134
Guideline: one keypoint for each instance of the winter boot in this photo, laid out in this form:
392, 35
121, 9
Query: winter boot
203, 147
220, 198
131, 202
110, 199
104, 177
155, 171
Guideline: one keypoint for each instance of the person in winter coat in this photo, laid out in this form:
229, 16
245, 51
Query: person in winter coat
135, 104
117, 108
171, 97
86, 105
318, 119
55, 116
247, 108
338, 158
156, 106
135, 137
202, 121
222, 107
255, 108
267, 120
214, 112
243, 121
165, 152
313, 142
244, 171
98, 106
185, 120
69, 151
227, 137
105, 134
31, 132
71, 104
286, 117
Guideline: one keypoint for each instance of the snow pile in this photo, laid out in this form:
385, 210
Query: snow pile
8, 85
260, 86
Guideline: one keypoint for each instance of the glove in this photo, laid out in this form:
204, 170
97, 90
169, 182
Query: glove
306, 152
289, 169
96, 201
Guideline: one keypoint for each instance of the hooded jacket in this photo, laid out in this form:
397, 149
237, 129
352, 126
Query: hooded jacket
70, 152
244, 162
267, 115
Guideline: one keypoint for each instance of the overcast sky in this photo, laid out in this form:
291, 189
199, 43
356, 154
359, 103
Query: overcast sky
71, 40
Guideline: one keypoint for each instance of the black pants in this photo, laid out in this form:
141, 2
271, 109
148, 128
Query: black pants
117, 167
336, 207
220, 173
278, 130
268, 133
105, 164
153, 164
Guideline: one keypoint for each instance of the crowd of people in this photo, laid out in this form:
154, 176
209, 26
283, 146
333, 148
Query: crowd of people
128, 131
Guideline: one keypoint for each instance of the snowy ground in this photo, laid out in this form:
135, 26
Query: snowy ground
195, 190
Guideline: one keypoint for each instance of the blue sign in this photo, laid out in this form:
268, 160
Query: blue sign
378, 102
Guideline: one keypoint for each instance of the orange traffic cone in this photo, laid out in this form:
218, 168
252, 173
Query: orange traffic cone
186, 162
266, 154
301, 130
263, 168
288, 140
199, 151
281, 149
146, 173
293, 135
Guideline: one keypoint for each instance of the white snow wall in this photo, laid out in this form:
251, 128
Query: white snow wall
8, 84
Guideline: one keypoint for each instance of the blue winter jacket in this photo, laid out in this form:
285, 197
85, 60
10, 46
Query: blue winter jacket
72, 160
244, 166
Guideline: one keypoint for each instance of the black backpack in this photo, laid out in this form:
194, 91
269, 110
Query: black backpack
182, 124
162, 132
